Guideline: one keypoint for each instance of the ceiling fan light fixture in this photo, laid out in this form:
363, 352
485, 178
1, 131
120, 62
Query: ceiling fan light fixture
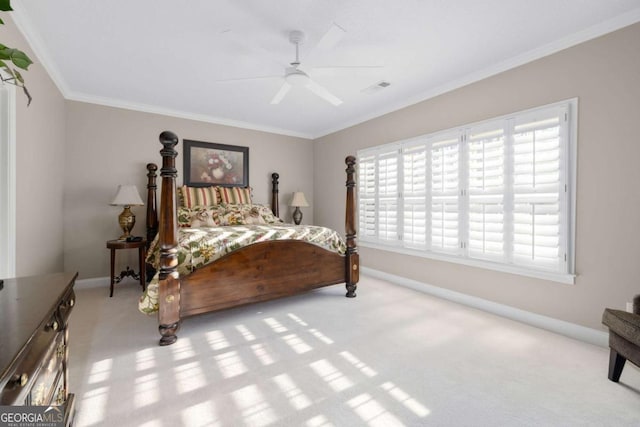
297, 78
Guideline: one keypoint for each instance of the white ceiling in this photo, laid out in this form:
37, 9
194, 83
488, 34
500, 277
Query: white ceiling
166, 56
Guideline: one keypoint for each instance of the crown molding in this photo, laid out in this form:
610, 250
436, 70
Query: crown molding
154, 109
26, 27
593, 32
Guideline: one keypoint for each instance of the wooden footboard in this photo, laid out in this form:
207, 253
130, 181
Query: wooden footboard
259, 272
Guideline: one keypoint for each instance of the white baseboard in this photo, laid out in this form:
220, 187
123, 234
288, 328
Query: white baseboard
95, 282
571, 330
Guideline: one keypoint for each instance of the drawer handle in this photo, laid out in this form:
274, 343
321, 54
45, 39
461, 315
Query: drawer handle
21, 380
53, 325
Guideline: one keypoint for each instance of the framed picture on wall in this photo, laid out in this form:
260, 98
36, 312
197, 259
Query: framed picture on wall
208, 163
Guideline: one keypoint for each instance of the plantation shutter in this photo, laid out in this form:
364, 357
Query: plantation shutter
387, 203
445, 209
414, 196
367, 196
486, 187
538, 190
497, 194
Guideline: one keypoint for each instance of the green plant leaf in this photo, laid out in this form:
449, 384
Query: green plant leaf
20, 59
1, 22
5, 52
5, 5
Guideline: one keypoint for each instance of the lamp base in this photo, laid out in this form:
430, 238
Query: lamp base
127, 220
297, 216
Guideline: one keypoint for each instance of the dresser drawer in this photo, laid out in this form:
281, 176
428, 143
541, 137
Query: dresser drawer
43, 391
45, 352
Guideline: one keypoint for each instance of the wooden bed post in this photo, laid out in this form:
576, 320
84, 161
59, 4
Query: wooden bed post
169, 284
152, 213
352, 258
152, 207
274, 195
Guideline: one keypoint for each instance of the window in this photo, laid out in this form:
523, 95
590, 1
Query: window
496, 194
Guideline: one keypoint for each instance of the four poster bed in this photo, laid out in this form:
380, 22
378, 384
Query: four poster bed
190, 280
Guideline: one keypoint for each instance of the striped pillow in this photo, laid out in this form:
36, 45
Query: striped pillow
235, 195
190, 197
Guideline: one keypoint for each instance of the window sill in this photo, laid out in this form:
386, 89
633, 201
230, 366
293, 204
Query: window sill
544, 275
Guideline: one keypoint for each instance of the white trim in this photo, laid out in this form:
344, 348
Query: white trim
516, 61
153, 109
27, 29
7, 181
582, 333
573, 169
568, 279
22, 21
96, 282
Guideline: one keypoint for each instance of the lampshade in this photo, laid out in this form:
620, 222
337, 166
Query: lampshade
299, 200
127, 195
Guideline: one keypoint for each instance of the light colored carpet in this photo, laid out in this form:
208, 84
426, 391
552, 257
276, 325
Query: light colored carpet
391, 357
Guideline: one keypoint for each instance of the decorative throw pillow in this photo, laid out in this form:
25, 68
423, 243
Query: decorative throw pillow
184, 216
243, 214
267, 215
235, 195
252, 215
229, 214
198, 196
203, 217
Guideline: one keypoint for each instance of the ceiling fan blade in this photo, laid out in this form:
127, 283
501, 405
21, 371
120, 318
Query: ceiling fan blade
284, 89
332, 37
241, 79
323, 93
347, 67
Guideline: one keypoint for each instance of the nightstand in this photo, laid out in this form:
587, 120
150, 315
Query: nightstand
114, 245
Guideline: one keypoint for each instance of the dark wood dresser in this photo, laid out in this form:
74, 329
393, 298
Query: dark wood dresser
34, 341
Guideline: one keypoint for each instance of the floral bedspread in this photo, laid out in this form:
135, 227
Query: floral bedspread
200, 246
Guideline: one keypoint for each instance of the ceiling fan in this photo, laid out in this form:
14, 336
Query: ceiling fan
295, 77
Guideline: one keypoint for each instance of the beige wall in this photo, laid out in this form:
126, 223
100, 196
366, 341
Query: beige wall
40, 160
604, 74
110, 146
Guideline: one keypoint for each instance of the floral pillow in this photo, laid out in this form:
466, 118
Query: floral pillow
267, 214
226, 214
199, 216
203, 218
184, 216
244, 214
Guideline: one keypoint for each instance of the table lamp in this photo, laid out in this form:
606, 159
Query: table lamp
127, 196
298, 201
